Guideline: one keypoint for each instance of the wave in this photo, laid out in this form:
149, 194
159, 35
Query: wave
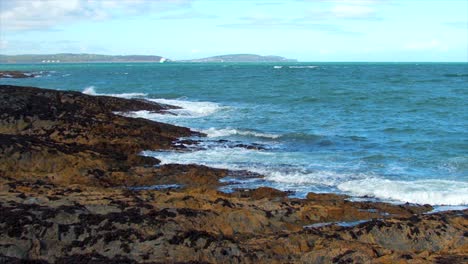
456, 75
190, 108
224, 132
319, 177
278, 170
276, 167
187, 108
219, 157
455, 164
303, 67
90, 90
142, 114
302, 137
433, 192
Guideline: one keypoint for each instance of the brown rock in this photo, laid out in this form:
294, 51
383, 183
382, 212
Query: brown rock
66, 161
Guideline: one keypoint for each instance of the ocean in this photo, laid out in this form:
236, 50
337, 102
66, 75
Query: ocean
394, 132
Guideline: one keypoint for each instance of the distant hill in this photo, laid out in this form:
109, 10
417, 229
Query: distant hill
76, 58
242, 58
93, 58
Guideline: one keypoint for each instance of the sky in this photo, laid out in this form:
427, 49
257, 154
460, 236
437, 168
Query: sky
307, 30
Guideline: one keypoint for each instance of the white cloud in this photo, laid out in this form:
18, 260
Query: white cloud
3, 44
353, 11
345, 9
17, 15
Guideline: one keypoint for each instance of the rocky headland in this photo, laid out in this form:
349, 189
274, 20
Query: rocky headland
70, 192
241, 58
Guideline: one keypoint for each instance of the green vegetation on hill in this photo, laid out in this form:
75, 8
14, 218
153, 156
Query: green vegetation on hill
242, 58
90, 58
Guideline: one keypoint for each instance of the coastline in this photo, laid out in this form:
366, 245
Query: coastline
67, 161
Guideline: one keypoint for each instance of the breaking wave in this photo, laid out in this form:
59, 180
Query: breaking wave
90, 90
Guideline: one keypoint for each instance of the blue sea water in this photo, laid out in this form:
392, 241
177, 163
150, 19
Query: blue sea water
389, 131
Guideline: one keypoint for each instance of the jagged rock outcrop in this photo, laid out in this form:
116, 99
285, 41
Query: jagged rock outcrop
47, 222
70, 137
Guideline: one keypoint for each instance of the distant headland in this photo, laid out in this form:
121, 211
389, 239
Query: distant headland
97, 58
77, 58
242, 58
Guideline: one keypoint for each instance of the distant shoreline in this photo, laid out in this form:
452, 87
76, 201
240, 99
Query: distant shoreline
98, 58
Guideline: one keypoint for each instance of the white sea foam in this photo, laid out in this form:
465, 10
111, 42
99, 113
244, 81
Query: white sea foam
224, 132
219, 157
190, 108
443, 208
263, 162
187, 108
317, 177
434, 192
173, 116
277, 67
142, 114
90, 90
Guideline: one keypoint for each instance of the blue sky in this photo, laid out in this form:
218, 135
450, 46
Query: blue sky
308, 30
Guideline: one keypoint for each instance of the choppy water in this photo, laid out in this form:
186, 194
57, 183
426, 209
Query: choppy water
389, 131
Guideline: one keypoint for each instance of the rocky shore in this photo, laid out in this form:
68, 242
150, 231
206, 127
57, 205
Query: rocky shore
69, 175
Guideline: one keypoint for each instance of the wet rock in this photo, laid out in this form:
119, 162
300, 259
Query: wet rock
209, 226
261, 193
67, 160
16, 74
43, 131
244, 174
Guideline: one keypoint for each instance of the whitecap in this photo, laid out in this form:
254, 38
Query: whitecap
434, 192
190, 108
224, 132
317, 177
90, 90
141, 114
276, 171
217, 157
274, 166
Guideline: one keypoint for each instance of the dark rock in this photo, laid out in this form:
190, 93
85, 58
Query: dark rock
66, 160
16, 74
